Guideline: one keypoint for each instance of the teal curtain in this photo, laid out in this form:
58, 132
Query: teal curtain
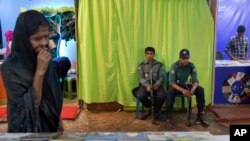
114, 33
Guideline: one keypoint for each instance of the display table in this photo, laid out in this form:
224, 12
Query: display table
231, 82
117, 136
2, 89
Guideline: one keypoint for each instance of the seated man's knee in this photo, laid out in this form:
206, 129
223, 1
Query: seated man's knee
141, 96
135, 91
161, 94
170, 90
200, 90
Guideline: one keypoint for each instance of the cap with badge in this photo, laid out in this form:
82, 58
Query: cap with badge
184, 53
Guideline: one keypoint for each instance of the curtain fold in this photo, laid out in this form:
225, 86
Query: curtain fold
114, 33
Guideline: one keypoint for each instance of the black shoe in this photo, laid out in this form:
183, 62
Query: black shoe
144, 116
201, 120
157, 115
170, 124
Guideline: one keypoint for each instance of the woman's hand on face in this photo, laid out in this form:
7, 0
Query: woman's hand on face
43, 59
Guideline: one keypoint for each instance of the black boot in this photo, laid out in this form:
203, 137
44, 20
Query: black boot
145, 115
157, 114
201, 120
170, 123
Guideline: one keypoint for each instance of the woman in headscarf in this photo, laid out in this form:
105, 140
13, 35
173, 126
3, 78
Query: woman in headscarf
34, 97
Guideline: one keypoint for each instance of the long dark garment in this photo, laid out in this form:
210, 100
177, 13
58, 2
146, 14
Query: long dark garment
24, 115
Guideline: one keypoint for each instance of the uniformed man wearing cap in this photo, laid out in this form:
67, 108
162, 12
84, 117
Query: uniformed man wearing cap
178, 79
147, 70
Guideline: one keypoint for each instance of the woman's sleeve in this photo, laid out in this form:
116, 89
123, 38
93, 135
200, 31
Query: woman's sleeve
22, 109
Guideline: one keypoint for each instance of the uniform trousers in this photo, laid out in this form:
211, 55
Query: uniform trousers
171, 93
144, 97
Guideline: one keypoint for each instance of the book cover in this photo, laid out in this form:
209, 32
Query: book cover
41, 136
158, 136
101, 136
132, 136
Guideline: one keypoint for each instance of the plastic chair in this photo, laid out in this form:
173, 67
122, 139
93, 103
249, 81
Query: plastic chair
69, 88
180, 95
139, 106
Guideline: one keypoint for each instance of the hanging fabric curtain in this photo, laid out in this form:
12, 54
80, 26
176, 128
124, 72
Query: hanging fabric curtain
114, 33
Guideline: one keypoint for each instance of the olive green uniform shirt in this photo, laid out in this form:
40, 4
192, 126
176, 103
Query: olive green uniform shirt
179, 74
157, 72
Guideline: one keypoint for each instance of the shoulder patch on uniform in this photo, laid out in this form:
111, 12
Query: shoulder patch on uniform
194, 70
140, 65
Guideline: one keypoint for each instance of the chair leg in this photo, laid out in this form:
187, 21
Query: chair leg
68, 87
182, 103
138, 105
189, 112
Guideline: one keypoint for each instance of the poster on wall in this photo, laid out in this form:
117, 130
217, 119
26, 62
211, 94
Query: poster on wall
232, 85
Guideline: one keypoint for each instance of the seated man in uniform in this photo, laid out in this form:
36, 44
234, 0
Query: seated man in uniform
146, 69
178, 77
